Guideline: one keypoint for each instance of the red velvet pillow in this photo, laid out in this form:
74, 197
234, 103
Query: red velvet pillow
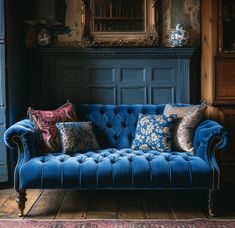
45, 122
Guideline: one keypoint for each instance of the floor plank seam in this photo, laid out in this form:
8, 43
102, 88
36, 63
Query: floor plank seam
38, 198
144, 209
6, 199
60, 205
171, 208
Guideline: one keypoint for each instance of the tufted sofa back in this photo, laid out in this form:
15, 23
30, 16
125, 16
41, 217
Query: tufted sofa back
115, 124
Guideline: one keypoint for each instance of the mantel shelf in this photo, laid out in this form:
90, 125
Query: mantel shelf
163, 52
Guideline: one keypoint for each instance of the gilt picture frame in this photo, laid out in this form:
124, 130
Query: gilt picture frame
148, 36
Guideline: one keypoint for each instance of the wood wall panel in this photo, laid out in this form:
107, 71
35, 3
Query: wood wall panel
3, 149
163, 74
114, 76
225, 80
133, 75
163, 95
227, 157
102, 75
218, 81
209, 17
102, 94
2, 21
2, 75
133, 95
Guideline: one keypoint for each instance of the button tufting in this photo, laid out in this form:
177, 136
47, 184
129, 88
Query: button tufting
115, 137
168, 159
124, 125
108, 125
112, 161
129, 111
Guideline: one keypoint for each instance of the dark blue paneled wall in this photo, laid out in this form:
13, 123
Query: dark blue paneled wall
16, 64
115, 76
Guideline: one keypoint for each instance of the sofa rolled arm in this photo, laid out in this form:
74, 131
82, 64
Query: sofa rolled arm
207, 133
24, 137
209, 137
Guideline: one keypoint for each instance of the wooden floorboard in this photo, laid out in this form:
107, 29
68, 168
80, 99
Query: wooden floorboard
130, 205
102, 205
157, 207
185, 206
9, 208
4, 195
74, 204
32, 197
48, 205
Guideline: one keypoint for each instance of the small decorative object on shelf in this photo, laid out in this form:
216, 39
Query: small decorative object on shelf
179, 37
44, 37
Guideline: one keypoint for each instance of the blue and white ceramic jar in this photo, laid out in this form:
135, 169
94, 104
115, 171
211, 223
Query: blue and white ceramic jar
44, 37
179, 37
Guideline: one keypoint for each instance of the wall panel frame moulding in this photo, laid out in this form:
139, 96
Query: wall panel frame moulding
3, 149
115, 76
2, 20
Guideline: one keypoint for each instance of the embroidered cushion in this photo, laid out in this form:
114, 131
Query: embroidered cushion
154, 132
188, 117
45, 122
77, 136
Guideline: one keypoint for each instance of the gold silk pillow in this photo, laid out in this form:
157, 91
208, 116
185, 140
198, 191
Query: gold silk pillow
188, 117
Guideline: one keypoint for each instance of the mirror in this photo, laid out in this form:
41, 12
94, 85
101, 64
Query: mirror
121, 23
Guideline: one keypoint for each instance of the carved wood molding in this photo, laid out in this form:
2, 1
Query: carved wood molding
119, 52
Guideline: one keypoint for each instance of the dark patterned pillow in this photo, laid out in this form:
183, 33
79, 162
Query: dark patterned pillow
45, 122
188, 117
77, 136
154, 132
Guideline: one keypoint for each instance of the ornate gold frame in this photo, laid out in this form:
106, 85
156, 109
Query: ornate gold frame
149, 37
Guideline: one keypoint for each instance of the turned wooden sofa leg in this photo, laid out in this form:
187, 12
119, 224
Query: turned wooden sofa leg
21, 199
212, 202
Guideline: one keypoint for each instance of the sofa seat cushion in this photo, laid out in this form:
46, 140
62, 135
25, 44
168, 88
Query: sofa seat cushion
117, 169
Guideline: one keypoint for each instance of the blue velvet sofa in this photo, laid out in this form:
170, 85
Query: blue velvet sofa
116, 166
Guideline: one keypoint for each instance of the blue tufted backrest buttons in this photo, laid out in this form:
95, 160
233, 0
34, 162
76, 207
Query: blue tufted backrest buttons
108, 125
110, 120
168, 159
101, 111
129, 111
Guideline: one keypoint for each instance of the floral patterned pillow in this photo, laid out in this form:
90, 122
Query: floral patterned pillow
154, 132
77, 136
45, 122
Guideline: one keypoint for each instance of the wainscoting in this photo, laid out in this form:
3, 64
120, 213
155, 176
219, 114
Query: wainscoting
114, 76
